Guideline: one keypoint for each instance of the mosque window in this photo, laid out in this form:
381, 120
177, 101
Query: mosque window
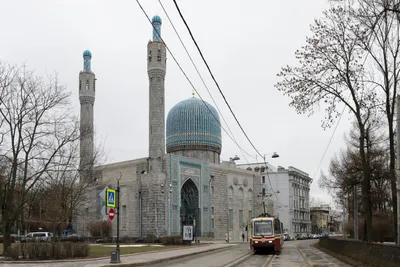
230, 218
94, 84
87, 84
123, 215
159, 55
80, 85
240, 218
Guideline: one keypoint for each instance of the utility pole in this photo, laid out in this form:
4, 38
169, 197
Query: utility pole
118, 214
355, 211
398, 166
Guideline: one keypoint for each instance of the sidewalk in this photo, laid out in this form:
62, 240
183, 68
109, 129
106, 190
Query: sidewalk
316, 257
126, 260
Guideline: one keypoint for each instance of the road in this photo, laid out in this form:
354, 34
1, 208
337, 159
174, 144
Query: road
299, 253
213, 259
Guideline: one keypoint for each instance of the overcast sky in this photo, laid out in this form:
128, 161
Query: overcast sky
245, 43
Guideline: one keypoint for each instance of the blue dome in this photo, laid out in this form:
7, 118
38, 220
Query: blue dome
156, 19
87, 53
193, 124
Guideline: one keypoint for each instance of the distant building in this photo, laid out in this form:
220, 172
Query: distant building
286, 195
320, 219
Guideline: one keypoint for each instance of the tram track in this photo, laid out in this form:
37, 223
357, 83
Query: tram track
253, 260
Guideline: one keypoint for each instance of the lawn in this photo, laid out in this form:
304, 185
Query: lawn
104, 251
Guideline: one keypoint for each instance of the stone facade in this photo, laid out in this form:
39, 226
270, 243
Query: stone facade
162, 192
87, 92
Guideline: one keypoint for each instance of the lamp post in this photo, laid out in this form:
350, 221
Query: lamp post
232, 160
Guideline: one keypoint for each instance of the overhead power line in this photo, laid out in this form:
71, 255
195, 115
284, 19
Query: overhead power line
212, 75
201, 77
187, 78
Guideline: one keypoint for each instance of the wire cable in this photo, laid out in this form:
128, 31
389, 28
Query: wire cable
201, 77
184, 73
212, 75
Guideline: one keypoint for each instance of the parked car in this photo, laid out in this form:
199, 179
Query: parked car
37, 237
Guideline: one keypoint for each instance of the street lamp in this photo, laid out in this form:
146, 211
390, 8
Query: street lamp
234, 158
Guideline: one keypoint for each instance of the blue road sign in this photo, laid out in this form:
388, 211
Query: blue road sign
111, 198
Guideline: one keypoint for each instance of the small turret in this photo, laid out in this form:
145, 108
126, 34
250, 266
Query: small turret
87, 57
156, 22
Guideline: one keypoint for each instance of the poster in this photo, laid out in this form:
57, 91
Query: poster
188, 233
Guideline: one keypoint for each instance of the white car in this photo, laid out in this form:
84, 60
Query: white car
37, 237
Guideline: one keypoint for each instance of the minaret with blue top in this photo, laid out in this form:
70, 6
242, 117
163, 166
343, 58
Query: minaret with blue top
156, 68
87, 89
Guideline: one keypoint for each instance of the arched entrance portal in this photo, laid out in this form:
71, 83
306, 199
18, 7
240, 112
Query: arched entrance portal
190, 204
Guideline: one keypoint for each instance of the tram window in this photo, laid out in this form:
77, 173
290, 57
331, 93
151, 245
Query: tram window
263, 228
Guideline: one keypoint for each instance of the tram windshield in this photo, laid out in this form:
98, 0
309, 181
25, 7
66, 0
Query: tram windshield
263, 228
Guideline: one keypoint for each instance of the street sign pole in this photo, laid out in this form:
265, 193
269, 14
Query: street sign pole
114, 201
118, 213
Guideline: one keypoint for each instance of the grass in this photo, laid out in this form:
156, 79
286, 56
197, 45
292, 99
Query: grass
102, 251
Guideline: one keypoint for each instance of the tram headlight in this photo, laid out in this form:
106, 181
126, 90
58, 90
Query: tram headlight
270, 241
256, 242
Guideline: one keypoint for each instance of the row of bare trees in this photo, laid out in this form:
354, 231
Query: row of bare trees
352, 60
39, 152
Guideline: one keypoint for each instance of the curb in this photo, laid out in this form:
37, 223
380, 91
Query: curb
164, 260
95, 259
308, 262
239, 260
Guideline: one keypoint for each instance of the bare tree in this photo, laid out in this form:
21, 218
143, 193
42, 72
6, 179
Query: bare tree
382, 26
65, 190
37, 124
331, 72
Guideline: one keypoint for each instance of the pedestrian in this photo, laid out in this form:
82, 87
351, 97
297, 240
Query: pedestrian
243, 236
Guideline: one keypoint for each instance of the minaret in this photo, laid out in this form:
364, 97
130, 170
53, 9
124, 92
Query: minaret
156, 67
86, 97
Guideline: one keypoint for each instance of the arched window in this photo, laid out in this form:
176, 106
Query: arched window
241, 193
230, 191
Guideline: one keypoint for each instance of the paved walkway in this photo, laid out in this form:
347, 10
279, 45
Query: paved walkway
316, 257
126, 260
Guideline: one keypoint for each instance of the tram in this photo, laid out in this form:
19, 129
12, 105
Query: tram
266, 234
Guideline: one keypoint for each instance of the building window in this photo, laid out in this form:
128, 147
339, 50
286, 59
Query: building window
123, 216
250, 215
230, 218
212, 223
263, 191
212, 210
240, 218
263, 179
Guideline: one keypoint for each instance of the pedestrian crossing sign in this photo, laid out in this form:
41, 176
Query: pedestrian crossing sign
111, 198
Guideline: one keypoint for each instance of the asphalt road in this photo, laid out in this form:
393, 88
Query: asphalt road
219, 258
298, 253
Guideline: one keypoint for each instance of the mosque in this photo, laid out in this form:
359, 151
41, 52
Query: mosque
181, 180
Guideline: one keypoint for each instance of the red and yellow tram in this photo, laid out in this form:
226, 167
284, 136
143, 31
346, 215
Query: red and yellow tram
266, 234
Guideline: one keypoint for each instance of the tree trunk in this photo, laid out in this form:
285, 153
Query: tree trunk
6, 230
392, 173
365, 188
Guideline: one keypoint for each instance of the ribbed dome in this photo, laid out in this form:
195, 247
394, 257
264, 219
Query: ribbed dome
87, 53
193, 124
156, 19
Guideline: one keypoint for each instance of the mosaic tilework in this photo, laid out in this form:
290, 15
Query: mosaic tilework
191, 122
